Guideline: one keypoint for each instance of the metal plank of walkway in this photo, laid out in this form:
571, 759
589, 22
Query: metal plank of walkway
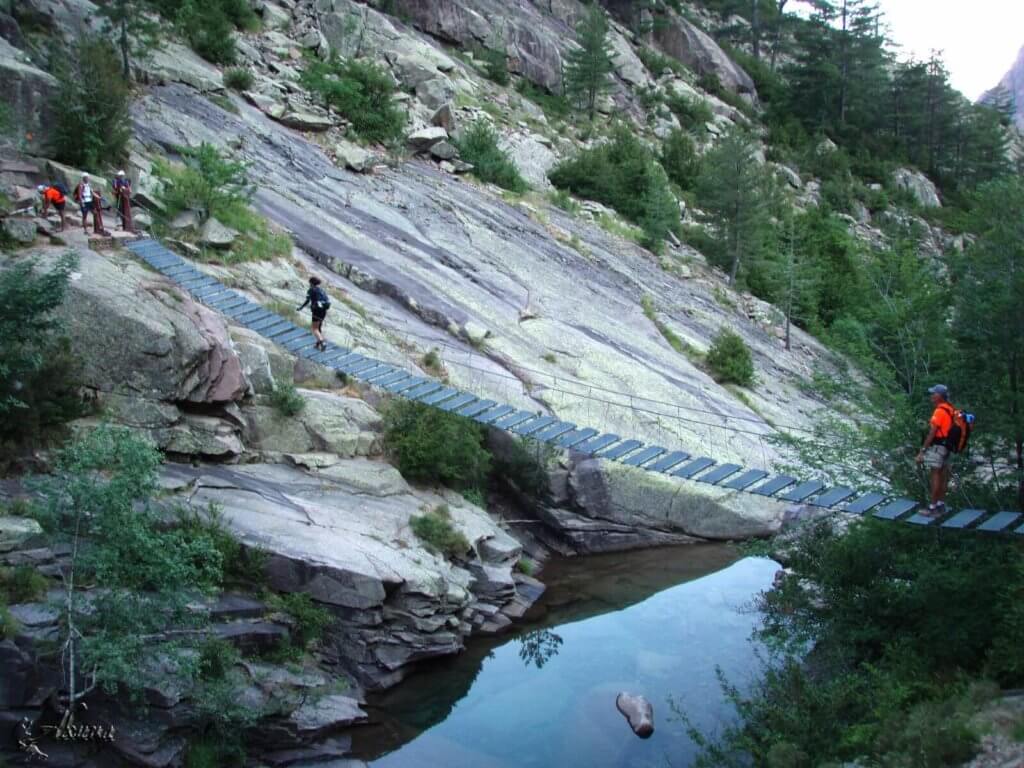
895, 509
1000, 521
695, 466
865, 503
554, 432
426, 388
531, 428
963, 519
459, 402
474, 409
392, 378
719, 473
400, 387
437, 398
829, 499
802, 491
509, 420
920, 518
665, 463
382, 372
491, 416
774, 485
577, 436
269, 324
595, 444
640, 458
620, 450
746, 480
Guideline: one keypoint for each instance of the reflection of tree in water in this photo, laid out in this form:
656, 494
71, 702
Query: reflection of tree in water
538, 646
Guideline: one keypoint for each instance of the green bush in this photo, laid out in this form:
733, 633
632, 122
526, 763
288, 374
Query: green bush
478, 145
730, 360
238, 79
432, 446
309, 620
525, 465
679, 159
562, 199
217, 658
23, 584
38, 374
8, 625
692, 114
208, 25
91, 126
623, 174
240, 565
495, 61
287, 401
219, 187
555, 106
436, 531
362, 92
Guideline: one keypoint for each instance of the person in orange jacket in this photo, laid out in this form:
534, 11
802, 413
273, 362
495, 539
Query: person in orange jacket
52, 195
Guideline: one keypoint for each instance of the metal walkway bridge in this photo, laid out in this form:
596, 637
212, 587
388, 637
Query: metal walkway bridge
548, 429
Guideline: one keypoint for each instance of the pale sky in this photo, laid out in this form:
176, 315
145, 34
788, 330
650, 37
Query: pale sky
979, 38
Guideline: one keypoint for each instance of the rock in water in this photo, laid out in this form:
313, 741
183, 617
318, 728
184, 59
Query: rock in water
638, 711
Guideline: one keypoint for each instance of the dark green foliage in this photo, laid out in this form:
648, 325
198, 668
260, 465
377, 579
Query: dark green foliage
99, 501
899, 620
287, 401
238, 78
309, 620
692, 114
217, 657
8, 625
432, 446
730, 360
735, 192
556, 107
208, 25
623, 174
495, 61
588, 68
22, 584
679, 159
38, 374
362, 92
131, 27
478, 145
240, 565
562, 199
91, 126
436, 530
525, 464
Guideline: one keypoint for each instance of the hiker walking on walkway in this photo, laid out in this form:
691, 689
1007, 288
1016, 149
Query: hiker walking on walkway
123, 200
55, 196
316, 298
935, 453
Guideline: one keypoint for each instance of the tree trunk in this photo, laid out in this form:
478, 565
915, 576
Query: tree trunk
124, 47
755, 29
844, 68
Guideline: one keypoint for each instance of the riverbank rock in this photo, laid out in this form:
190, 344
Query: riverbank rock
638, 711
349, 545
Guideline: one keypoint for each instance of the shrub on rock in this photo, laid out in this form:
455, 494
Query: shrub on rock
362, 92
730, 360
478, 146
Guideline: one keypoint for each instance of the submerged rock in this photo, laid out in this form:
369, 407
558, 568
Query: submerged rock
638, 711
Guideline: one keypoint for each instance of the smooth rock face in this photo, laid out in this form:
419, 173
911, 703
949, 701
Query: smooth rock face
681, 40
919, 185
21, 231
638, 711
26, 90
176, 63
15, 531
216, 235
532, 158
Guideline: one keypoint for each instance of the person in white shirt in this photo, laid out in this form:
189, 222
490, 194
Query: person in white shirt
86, 199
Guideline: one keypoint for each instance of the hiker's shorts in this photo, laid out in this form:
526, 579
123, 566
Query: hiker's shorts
87, 207
937, 456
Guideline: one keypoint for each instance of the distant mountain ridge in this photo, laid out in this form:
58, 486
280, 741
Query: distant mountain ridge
1013, 82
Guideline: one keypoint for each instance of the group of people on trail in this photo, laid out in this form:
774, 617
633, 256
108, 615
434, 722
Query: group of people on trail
90, 201
948, 431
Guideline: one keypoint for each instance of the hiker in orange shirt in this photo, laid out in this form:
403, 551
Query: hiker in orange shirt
52, 195
935, 453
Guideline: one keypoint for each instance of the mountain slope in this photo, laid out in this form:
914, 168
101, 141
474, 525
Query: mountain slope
1013, 82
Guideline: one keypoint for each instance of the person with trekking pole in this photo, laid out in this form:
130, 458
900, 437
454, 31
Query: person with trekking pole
123, 200
316, 298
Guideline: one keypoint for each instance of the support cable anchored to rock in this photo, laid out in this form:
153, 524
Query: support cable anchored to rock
562, 435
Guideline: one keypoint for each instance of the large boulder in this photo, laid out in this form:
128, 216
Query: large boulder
343, 426
532, 157
349, 545
435, 92
422, 139
173, 62
15, 531
27, 91
681, 40
919, 185
145, 338
608, 491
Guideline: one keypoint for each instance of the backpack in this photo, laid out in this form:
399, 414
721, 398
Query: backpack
61, 187
960, 431
322, 301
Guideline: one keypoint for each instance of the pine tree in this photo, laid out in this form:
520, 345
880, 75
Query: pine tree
132, 28
732, 190
588, 69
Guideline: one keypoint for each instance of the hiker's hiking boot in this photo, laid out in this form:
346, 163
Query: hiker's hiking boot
935, 510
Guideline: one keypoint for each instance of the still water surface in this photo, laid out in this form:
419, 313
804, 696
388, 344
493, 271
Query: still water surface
655, 622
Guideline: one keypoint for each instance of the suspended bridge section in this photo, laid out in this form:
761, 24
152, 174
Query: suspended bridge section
563, 435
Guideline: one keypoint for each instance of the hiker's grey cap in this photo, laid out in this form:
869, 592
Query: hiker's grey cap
939, 389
